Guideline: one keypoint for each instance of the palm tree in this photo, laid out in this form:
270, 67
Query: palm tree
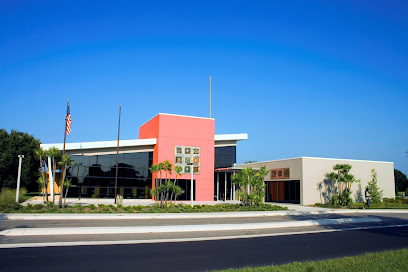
67, 184
154, 169
65, 161
160, 167
167, 168
177, 170
41, 154
177, 191
41, 181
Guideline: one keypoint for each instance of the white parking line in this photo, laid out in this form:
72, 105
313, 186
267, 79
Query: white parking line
178, 240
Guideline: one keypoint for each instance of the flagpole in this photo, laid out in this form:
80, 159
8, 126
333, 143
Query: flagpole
65, 131
117, 157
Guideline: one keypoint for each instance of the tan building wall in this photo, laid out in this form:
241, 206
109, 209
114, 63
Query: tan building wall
294, 165
314, 186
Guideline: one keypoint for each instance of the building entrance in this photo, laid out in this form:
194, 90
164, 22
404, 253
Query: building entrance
283, 191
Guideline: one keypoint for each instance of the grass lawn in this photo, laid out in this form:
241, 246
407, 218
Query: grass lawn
179, 208
387, 203
381, 205
395, 260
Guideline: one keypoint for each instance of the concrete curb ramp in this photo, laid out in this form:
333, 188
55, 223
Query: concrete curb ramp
116, 216
180, 228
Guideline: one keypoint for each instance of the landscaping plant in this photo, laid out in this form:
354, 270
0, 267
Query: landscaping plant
251, 185
341, 184
375, 192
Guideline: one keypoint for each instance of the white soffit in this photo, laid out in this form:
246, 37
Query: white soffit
230, 137
104, 144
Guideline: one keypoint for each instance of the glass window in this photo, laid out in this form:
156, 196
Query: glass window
224, 156
286, 173
99, 171
281, 173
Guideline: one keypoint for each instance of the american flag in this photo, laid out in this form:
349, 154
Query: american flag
68, 119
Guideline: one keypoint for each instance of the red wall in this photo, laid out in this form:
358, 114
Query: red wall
171, 131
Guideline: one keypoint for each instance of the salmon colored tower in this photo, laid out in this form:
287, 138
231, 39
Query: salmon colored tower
175, 130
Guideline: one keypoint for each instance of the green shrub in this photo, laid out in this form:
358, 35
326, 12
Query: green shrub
79, 207
113, 207
104, 208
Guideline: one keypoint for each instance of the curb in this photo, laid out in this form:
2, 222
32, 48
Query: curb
125, 216
181, 228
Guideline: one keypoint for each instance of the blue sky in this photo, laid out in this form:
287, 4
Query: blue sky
302, 78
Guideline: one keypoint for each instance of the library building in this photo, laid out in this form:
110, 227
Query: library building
207, 158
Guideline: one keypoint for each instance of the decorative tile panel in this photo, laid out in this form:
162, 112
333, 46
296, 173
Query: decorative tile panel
184, 156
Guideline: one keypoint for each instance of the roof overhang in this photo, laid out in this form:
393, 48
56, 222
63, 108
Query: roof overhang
132, 146
232, 169
229, 139
105, 147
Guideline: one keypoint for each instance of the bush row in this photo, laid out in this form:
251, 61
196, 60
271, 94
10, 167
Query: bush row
178, 208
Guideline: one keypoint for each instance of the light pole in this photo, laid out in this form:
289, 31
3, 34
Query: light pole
192, 184
20, 159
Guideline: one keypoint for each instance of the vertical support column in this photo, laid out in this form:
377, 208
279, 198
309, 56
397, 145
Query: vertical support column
218, 186
231, 195
225, 187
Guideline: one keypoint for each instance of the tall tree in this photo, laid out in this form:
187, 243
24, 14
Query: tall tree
177, 170
401, 181
67, 184
154, 169
373, 189
11, 145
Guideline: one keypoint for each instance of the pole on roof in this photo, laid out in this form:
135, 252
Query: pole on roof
210, 95
117, 157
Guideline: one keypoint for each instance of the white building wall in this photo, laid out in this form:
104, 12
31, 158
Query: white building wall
315, 169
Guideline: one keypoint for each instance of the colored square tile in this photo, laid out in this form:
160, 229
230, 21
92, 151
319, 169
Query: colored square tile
196, 170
